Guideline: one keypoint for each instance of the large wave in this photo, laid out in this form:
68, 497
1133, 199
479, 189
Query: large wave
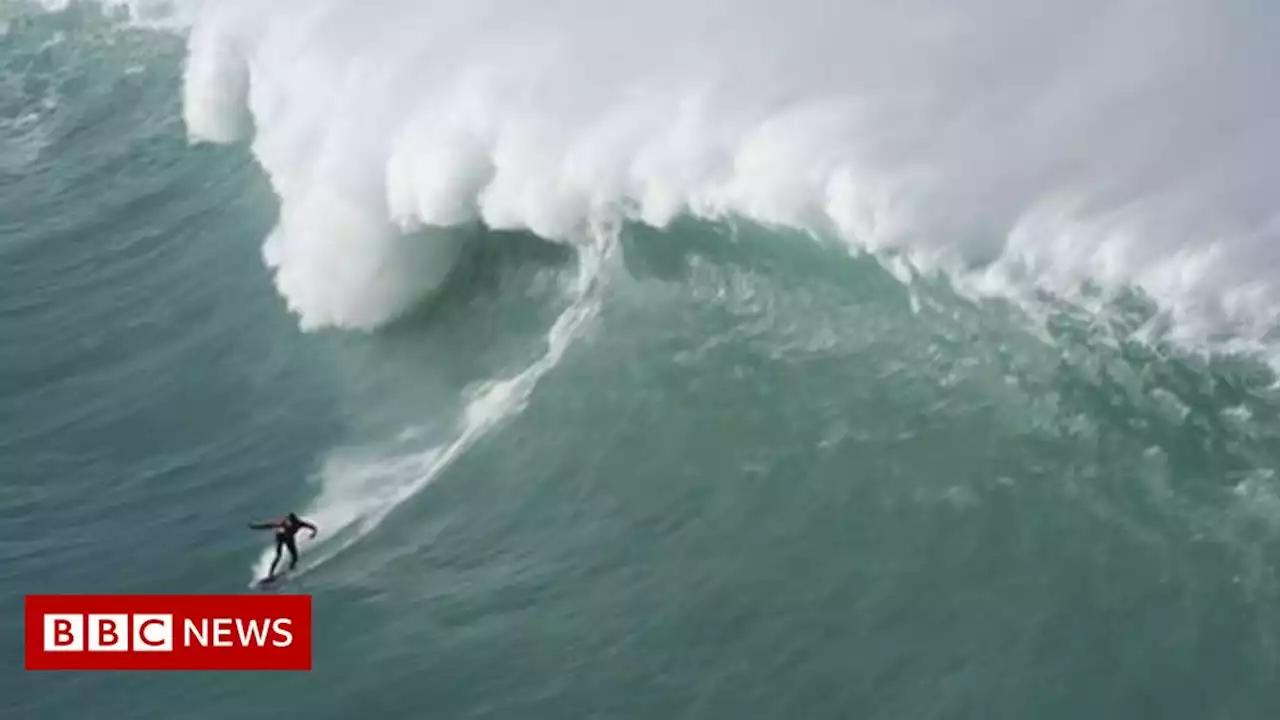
1115, 142
1061, 146
1110, 142
1066, 146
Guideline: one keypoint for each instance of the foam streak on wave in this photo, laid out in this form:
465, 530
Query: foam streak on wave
356, 497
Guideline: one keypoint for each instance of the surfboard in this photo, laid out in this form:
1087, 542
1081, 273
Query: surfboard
268, 582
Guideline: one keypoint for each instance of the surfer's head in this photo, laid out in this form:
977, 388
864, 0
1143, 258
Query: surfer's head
293, 517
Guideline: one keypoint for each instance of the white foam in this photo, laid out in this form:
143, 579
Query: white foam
1083, 140
1014, 145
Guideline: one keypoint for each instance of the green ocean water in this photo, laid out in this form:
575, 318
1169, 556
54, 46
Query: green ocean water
732, 472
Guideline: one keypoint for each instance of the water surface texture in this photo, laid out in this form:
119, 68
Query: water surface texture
706, 359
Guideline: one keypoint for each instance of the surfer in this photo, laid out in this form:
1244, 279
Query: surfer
285, 529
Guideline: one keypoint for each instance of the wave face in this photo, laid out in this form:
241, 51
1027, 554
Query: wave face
721, 359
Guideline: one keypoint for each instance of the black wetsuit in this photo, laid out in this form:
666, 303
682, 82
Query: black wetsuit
286, 529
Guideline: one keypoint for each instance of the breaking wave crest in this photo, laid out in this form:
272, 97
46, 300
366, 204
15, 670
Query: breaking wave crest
1108, 144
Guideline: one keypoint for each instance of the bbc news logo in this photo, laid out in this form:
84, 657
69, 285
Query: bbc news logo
141, 632
168, 632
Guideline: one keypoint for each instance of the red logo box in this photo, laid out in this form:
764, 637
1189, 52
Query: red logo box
168, 632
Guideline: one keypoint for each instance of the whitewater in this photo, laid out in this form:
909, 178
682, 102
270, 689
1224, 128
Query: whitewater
1121, 143
715, 359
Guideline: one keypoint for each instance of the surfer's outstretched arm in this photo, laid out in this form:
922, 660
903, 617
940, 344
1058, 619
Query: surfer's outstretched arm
263, 526
308, 526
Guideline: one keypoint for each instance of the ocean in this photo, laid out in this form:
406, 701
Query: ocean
694, 359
